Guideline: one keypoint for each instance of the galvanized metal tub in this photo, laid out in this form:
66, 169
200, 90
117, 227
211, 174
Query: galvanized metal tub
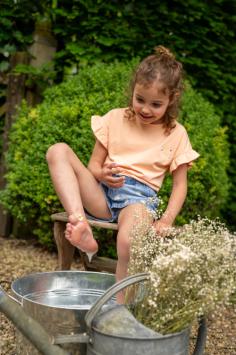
59, 301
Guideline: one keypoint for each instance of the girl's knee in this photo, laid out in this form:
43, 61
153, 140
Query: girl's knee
56, 150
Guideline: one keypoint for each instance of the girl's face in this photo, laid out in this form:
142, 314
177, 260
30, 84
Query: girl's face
149, 103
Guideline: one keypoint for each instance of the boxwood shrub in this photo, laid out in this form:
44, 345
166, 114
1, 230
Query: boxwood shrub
64, 116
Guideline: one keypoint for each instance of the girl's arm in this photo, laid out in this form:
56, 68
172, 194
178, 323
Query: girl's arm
177, 198
97, 160
103, 172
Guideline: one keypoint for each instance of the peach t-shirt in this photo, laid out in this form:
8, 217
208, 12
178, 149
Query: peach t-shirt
144, 152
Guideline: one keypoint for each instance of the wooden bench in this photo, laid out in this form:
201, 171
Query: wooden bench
66, 249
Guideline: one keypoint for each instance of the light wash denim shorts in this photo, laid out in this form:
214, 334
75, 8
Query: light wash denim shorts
133, 191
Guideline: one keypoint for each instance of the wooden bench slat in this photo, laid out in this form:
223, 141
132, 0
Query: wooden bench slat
101, 263
62, 216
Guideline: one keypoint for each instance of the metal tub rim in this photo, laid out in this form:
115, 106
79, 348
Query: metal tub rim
23, 293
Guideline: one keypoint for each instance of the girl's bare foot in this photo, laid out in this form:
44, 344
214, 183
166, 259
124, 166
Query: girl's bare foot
79, 234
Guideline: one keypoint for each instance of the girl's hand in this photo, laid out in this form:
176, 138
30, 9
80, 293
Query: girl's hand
163, 229
107, 177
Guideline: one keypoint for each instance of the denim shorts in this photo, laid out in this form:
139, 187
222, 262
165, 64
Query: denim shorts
133, 191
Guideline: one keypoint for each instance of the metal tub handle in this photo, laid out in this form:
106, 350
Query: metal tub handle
113, 290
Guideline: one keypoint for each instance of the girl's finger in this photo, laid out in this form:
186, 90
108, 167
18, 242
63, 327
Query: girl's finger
112, 166
117, 180
116, 170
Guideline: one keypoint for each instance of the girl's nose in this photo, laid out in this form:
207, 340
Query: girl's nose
145, 110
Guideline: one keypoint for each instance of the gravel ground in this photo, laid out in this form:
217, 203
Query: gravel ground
21, 257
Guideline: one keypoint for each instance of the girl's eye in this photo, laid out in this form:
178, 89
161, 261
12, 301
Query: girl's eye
156, 104
139, 99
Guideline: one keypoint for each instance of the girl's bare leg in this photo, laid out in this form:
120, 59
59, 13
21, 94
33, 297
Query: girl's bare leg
77, 189
127, 218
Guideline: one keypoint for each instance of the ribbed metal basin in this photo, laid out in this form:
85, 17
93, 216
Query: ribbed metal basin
59, 301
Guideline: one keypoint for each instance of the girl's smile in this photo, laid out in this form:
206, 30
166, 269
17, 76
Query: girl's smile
149, 103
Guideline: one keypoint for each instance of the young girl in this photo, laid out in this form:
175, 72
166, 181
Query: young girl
135, 147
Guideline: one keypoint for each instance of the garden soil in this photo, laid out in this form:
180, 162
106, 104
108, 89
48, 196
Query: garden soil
19, 257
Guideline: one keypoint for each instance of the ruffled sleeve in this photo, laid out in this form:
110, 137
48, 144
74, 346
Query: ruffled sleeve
184, 153
100, 128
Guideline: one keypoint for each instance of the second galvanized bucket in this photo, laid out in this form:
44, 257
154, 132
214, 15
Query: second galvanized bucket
113, 330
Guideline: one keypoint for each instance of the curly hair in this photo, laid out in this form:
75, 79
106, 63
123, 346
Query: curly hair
163, 68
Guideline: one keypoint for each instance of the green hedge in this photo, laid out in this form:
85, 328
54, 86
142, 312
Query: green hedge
88, 31
64, 116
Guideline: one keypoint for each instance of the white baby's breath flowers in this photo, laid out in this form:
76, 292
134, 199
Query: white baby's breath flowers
192, 272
